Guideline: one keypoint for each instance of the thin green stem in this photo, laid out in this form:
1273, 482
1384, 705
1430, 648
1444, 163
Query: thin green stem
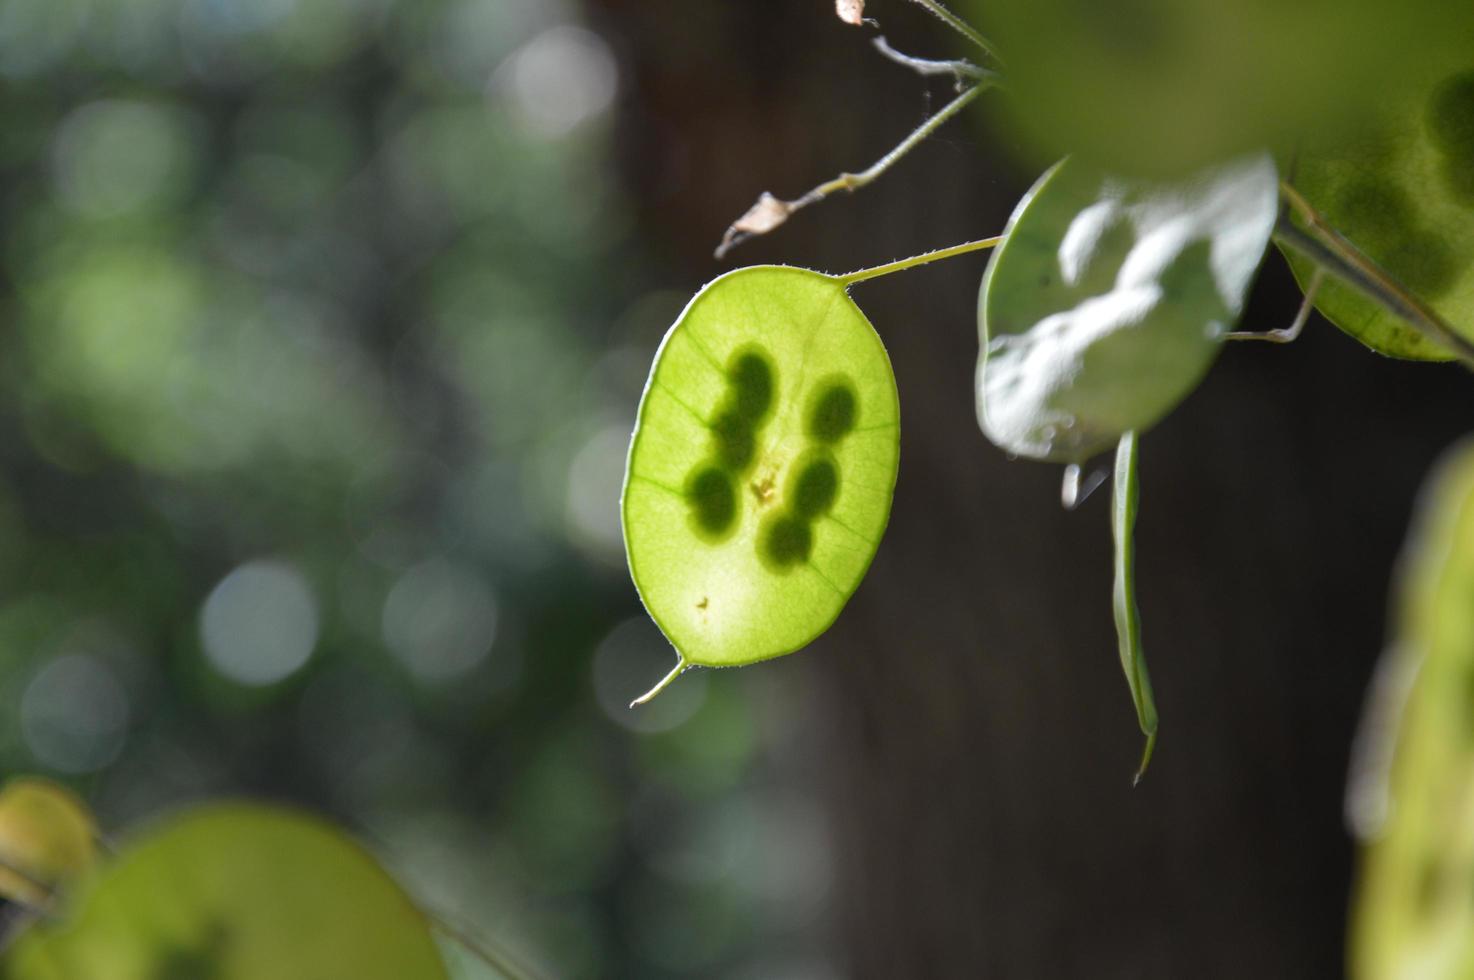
1290, 334
665, 682
901, 265
961, 27
853, 182
770, 212
1329, 249
959, 68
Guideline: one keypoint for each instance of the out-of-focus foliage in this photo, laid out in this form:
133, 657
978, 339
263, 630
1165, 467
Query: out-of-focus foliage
323, 328
1400, 186
1414, 797
47, 838
234, 892
1165, 86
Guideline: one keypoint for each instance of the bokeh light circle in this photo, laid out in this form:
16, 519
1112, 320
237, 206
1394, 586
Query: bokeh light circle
260, 623
74, 714
440, 619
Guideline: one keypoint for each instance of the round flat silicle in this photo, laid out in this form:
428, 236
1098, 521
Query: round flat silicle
762, 466
234, 892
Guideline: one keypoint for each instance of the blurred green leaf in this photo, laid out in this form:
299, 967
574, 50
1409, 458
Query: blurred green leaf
1167, 86
1414, 909
1401, 187
235, 892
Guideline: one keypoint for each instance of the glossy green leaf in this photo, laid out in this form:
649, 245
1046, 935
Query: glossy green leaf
47, 837
1108, 300
1166, 86
1414, 911
1401, 187
761, 470
237, 892
1125, 496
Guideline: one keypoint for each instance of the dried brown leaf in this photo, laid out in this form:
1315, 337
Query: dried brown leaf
768, 213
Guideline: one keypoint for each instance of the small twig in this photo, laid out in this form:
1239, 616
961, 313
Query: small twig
961, 27
959, 68
1328, 248
769, 212
1291, 333
901, 265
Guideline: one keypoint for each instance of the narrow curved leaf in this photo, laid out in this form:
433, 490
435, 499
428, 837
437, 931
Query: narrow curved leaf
1414, 905
1108, 300
761, 470
235, 892
1402, 189
47, 838
1124, 498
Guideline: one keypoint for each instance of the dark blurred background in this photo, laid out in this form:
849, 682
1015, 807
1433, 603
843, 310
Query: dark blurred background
325, 322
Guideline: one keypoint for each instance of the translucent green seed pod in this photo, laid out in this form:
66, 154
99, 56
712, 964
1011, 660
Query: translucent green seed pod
762, 466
